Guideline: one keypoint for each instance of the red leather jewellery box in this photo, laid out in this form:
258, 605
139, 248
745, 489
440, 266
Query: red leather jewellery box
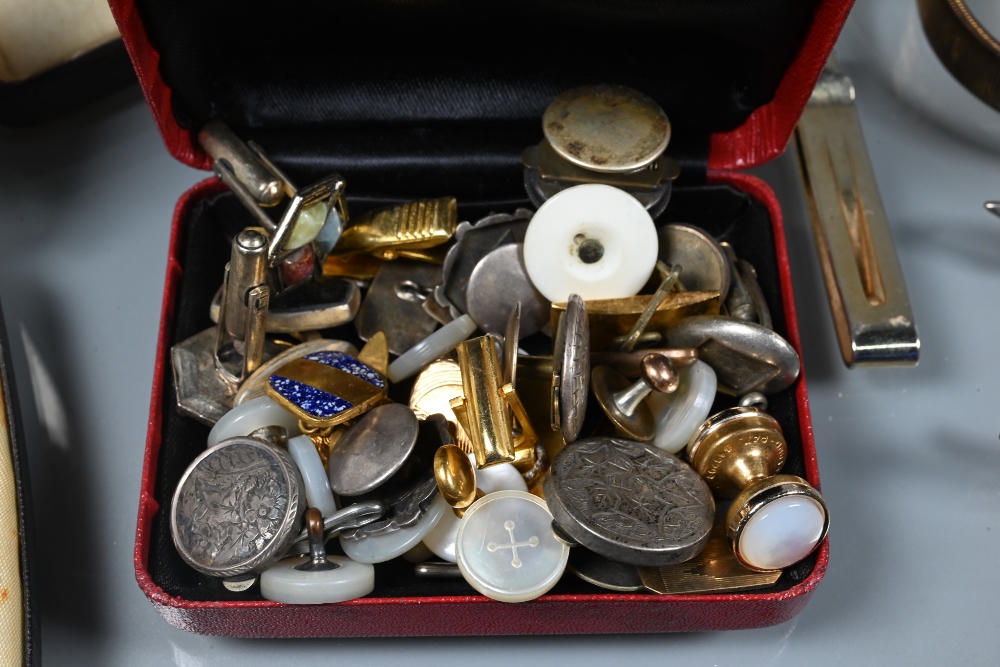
435, 98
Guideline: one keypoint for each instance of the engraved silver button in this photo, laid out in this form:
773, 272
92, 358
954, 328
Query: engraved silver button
629, 501
237, 508
571, 375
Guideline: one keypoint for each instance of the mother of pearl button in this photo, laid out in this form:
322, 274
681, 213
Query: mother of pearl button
505, 548
350, 580
502, 477
436, 345
593, 240
247, 417
782, 533
380, 548
318, 493
678, 415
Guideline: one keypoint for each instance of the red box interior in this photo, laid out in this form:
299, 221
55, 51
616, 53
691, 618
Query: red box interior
583, 609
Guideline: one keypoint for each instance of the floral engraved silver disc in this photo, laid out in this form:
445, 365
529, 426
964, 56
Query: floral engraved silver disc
237, 508
629, 501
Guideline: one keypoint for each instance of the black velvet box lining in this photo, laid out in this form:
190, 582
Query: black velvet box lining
308, 72
725, 212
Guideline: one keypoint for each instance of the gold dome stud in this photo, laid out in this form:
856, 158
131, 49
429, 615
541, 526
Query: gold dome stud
740, 452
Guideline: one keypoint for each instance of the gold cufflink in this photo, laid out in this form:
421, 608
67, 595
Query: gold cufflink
714, 570
408, 230
613, 318
483, 410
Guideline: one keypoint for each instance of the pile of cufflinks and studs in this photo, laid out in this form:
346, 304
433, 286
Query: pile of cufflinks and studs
501, 467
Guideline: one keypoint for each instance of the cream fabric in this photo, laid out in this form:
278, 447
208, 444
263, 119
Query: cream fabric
38, 34
11, 604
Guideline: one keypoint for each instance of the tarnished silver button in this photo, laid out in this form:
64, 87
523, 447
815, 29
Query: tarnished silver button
602, 134
606, 128
237, 508
373, 450
629, 501
705, 267
472, 243
745, 356
604, 573
500, 281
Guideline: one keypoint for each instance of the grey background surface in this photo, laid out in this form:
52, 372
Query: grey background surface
910, 458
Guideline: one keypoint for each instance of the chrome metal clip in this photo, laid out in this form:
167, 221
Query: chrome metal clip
864, 281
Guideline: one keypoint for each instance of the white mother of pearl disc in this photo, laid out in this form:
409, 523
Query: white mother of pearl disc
678, 415
435, 346
502, 477
782, 533
505, 547
380, 548
595, 212
247, 417
283, 583
317, 484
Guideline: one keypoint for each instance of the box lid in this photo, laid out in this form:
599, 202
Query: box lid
381, 84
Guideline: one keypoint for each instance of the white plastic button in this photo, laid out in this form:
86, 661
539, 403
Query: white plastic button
502, 477
283, 583
593, 240
678, 415
246, 418
505, 547
318, 493
440, 342
380, 548
782, 533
